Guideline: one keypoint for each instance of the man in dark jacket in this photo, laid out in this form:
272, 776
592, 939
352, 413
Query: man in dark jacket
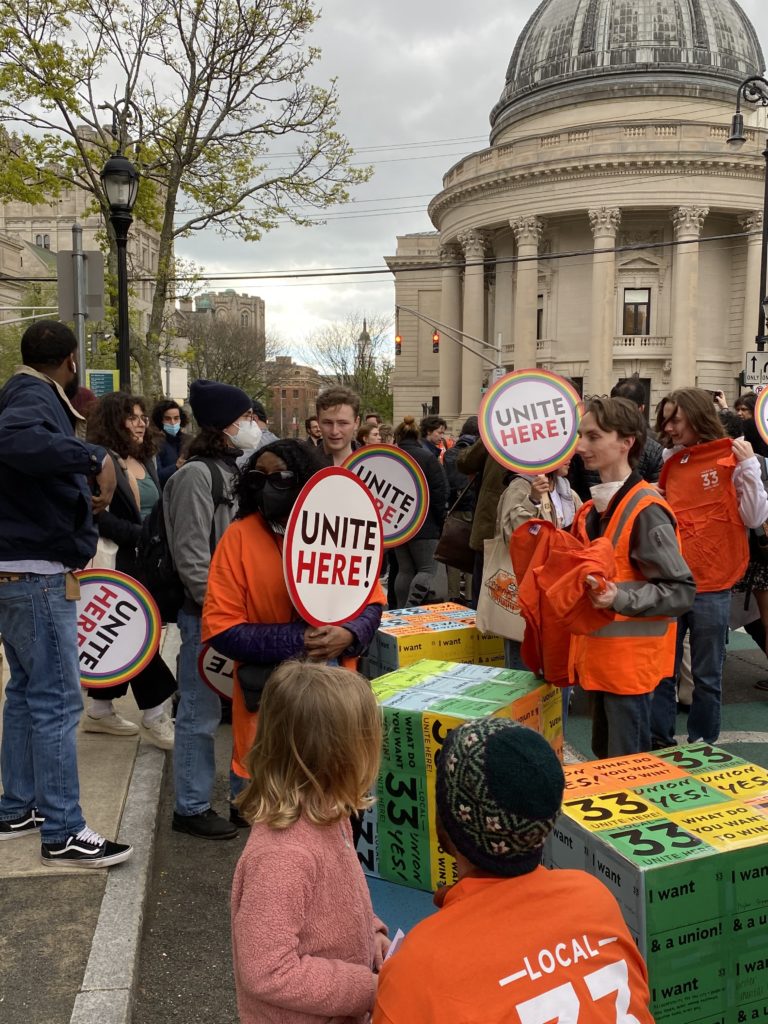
461, 501
650, 462
47, 510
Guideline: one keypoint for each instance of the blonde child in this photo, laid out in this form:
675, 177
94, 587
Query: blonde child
305, 941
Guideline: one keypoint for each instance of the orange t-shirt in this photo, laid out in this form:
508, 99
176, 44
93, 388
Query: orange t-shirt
246, 584
547, 946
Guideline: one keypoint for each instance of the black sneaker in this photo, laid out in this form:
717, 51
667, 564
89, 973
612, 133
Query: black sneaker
208, 825
85, 850
237, 819
26, 823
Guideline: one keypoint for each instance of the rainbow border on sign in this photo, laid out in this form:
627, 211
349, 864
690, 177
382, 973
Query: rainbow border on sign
416, 473
761, 408
152, 619
500, 454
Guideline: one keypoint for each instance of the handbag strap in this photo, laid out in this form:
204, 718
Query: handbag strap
458, 499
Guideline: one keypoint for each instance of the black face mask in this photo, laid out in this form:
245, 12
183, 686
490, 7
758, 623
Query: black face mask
274, 504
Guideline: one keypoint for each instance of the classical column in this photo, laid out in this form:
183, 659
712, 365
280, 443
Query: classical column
504, 250
527, 235
688, 221
752, 222
450, 314
604, 221
474, 244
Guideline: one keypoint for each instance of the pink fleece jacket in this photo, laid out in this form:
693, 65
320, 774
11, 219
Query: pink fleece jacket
302, 928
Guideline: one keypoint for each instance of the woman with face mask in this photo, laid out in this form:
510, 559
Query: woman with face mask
170, 421
248, 615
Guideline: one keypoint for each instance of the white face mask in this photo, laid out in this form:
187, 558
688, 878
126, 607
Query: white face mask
248, 435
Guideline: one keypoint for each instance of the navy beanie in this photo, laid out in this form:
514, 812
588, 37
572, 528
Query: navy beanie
499, 789
217, 405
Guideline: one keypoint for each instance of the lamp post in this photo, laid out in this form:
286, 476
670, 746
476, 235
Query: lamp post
755, 90
120, 180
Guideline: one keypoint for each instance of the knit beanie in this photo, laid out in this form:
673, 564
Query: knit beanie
499, 791
217, 405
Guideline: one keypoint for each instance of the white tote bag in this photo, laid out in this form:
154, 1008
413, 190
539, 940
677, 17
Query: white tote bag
498, 610
106, 555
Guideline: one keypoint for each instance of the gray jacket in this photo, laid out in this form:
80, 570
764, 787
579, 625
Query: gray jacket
189, 513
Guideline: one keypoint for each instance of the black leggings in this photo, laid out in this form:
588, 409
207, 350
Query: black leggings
151, 686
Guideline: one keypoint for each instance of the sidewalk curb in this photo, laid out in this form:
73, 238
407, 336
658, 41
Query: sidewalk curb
106, 993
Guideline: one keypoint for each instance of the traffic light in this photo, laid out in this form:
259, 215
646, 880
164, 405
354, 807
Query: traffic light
435, 341
398, 344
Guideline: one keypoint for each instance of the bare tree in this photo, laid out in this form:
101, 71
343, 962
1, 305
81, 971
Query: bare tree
354, 352
219, 349
234, 135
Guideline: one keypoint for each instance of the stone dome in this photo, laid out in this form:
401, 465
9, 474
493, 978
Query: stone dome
586, 42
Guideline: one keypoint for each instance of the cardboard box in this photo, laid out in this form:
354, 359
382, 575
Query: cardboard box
680, 837
421, 703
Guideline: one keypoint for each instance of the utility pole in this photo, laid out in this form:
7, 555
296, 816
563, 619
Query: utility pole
80, 309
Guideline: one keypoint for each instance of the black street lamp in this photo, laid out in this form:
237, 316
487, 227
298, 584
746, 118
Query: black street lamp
120, 180
755, 90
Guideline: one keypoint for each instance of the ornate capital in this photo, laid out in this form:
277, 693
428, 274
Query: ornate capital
752, 221
527, 230
689, 220
450, 252
604, 220
474, 243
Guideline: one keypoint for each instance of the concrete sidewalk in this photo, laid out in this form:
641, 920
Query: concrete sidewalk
69, 938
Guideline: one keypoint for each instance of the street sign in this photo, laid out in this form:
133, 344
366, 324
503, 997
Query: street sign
102, 382
94, 284
756, 368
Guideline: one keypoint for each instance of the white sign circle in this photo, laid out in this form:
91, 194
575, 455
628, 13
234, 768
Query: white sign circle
398, 487
333, 548
529, 421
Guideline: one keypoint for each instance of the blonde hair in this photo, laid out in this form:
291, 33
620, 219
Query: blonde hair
317, 747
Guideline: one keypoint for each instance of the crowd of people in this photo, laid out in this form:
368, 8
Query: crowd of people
651, 536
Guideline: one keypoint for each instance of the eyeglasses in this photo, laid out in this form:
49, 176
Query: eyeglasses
139, 419
283, 480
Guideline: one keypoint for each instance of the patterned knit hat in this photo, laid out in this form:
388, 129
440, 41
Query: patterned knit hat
499, 790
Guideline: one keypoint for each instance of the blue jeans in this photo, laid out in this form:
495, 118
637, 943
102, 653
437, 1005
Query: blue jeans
43, 703
707, 623
621, 723
197, 719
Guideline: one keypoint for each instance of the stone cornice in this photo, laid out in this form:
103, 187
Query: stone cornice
502, 183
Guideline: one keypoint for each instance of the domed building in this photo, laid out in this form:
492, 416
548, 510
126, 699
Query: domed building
608, 229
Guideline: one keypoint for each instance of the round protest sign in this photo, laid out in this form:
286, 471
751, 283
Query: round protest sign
216, 671
398, 488
118, 627
333, 548
529, 421
761, 414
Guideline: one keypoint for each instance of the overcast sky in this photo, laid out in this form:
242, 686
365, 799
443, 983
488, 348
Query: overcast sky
417, 80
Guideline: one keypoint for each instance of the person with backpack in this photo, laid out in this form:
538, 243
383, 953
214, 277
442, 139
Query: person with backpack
195, 522
119, 423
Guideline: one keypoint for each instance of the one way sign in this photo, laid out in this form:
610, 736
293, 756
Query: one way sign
756, 368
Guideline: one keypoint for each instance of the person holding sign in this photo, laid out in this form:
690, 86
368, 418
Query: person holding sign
621, 663
512, 941
714, 486
248, 614
47, 508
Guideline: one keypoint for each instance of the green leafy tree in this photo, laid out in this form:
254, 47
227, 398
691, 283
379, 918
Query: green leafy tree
354, 352
207, 87
34, 299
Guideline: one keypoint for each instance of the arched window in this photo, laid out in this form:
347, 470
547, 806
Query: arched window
39, 240
46, 241
244, 321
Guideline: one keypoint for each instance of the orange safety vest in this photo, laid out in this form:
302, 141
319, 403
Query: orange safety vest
631, 654
698, 484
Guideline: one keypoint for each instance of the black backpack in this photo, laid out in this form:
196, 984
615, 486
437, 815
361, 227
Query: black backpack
154, 562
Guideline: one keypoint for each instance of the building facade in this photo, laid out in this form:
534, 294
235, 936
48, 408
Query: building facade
608, 229
293, 390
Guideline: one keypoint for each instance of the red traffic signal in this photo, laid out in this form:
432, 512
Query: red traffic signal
398, 344
436, 342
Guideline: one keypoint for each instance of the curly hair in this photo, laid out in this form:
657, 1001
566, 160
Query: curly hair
302, 459
161, 408
106, 426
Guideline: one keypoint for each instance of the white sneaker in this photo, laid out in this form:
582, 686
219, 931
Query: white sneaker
112, 724
160, 733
